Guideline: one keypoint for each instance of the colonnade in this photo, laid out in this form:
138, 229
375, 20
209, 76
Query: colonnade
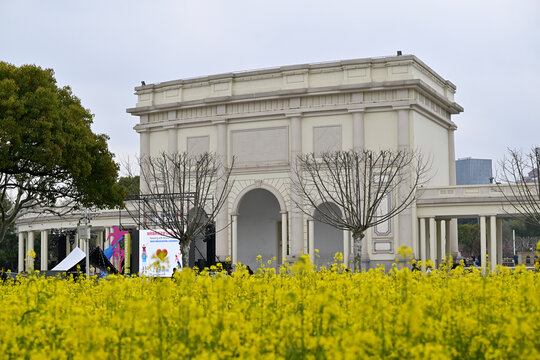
27, 243
436, 242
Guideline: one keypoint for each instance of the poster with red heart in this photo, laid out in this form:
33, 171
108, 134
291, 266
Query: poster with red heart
157, 252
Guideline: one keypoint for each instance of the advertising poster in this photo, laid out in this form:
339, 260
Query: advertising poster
159, 254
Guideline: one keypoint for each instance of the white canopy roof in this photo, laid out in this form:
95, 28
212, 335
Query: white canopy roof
71, 260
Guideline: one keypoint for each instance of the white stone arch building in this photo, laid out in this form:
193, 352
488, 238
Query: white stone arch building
265, 118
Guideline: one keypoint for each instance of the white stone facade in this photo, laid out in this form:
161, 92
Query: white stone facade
265, 118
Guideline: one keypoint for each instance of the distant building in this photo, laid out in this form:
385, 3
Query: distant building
532, 177
473, 171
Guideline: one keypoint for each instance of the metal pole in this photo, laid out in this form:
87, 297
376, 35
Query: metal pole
86, 221
514, 240
87, 259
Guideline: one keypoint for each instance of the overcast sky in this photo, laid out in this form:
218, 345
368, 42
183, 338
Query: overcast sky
103, 48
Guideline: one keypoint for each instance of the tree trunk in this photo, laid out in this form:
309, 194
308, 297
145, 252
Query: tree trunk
357, 251
184, 248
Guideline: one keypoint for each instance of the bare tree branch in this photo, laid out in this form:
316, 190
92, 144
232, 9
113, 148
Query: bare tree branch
358, 182
181, 194
519, 173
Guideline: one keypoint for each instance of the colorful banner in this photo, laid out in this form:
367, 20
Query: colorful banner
127, 249
158, 253
114, 253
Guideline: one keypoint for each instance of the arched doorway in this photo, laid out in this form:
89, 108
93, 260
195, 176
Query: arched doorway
328, 239
259, 228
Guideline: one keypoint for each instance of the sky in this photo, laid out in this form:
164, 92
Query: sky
102, 49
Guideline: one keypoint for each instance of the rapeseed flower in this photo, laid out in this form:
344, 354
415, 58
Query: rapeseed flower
297, 312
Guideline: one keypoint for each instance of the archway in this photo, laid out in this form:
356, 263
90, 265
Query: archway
328, 239
259, 228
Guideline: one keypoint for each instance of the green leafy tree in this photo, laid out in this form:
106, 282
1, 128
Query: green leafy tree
130, 184
9, 251
469, 239
50, 160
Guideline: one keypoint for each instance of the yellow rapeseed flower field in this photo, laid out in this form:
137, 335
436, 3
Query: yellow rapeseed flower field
294, 313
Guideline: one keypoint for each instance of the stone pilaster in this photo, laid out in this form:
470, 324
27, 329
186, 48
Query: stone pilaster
29, 247
144, 153
44, 250
405, 219
358, 130
20, 263
172, 143
222, 219
297, 236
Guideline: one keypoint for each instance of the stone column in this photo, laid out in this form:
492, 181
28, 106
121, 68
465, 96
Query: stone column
44, 250
29, 247
433, 241
107, 242
311, 239
234, 230
100, 239
448, 242
483, 242
297, 236
423, 242
439, 239
442, 250
222, 218
20, 264
284, 237
68, 245
358, 130
499, 242
346, 247
493, 240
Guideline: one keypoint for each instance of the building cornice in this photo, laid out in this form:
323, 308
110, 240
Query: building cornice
300, 68
409, 94
451, 107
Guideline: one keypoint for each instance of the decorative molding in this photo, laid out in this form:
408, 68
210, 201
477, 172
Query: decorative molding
418, 95
384, 229
427, 102
277, 186
256, 169
436, 79
292, 92
383, 246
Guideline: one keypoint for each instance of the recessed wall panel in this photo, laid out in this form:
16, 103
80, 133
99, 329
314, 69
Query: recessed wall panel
260, 146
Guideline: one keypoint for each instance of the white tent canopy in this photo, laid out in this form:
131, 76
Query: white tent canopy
71, 260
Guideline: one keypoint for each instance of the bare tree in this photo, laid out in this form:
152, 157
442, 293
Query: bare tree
181, 194
519, 174
368, 187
